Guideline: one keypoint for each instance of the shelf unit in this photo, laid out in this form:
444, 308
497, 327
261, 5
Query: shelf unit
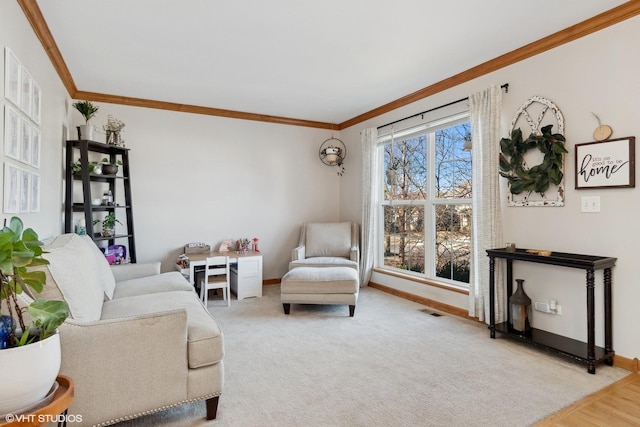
584, 352
115, 183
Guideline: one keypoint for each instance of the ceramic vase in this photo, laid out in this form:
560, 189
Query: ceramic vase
520, 309
29, 373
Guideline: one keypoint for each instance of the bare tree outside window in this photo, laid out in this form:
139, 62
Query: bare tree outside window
423, 232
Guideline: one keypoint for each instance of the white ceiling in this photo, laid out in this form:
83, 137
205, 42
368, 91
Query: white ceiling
323, 60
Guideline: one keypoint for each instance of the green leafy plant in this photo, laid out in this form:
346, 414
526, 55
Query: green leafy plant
77, 166
19, 250
87, 109
536, 178
108, 223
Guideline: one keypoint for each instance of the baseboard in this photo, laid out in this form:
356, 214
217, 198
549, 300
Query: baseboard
632, 365
424, 301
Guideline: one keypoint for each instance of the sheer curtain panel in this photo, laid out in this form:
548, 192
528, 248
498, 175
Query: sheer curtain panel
370, 194
485, 109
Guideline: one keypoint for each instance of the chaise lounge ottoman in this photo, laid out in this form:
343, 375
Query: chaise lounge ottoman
320, 285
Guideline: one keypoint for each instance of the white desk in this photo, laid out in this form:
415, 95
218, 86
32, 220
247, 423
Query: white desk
246, 271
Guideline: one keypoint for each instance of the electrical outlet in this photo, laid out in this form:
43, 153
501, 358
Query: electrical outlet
552, 307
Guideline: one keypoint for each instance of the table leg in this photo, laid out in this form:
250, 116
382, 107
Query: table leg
492, 296
591, 333
608, 321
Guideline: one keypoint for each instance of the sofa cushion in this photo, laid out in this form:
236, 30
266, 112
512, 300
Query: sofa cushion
73, 269
204, 338
323, 261
312, 280
170, 281
103, 270
328, 239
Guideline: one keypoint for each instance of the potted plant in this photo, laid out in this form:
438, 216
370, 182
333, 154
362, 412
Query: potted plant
77, 167
88, 110
110, 168
114, 129
30, 369
108, 224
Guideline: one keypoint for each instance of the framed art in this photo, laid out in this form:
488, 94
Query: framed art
35, 193
36, 101
35, 147
12, 132
606, 164
25, 149
11, 188
12, 77
25, 189
25, 93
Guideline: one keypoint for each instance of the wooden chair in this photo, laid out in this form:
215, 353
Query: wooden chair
216, 276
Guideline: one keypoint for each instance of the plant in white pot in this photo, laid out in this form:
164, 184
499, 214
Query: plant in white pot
29, 354
108, 224
88, 110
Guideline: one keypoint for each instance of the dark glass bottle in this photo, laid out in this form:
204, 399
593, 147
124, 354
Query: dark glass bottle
520, 309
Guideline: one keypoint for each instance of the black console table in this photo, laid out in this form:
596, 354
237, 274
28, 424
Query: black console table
583, 352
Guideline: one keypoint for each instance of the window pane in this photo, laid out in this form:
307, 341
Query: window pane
453, 241
405, 165
404, 237
453, 162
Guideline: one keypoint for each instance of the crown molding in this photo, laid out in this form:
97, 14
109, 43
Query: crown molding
195, 109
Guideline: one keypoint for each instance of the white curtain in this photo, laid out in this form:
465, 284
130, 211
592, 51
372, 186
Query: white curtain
370, 194
487, 218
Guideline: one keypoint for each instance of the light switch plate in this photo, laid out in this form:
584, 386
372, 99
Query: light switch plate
590, 204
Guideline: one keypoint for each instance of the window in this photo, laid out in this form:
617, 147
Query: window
426, 208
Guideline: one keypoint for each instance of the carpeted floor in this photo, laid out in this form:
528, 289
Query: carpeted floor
390, 365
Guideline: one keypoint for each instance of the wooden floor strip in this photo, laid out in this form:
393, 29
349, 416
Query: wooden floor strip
617, 405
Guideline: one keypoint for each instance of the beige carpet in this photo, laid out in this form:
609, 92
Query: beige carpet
390, 365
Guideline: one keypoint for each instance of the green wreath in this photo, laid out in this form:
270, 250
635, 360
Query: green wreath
538, 177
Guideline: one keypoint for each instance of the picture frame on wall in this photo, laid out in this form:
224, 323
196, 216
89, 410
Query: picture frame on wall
35, 193
12, 132
11, 188
36, 101
25, 190
606, 164
12, 77
25, 93
25, 148
35, 147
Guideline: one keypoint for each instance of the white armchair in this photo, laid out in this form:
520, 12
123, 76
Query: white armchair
327, 245
324, 267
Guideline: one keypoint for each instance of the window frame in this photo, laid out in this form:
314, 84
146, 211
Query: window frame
429, 203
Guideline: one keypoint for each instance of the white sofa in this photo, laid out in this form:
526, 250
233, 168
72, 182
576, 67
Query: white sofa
137, 342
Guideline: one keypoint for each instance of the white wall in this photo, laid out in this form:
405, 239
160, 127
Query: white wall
597, 73
203, 178
17, 35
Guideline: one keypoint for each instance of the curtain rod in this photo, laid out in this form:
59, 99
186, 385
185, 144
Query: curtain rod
504, 86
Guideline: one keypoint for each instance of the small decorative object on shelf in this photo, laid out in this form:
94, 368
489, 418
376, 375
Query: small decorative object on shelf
81, 227
255, 244
114, 129
242, 245
108, 224
520, 306
108, 167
